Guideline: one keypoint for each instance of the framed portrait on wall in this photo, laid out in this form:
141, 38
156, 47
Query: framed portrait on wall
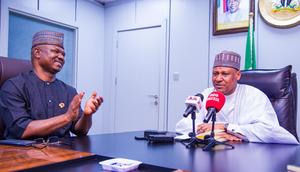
231, 16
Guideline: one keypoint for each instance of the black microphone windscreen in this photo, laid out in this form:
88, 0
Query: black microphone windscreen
200, 95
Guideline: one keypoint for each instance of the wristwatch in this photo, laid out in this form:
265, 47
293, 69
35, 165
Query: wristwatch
226, 126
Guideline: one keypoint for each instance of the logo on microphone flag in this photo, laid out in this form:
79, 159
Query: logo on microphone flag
194, 100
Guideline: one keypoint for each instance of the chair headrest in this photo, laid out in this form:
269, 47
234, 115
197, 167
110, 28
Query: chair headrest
273, 82
10, 67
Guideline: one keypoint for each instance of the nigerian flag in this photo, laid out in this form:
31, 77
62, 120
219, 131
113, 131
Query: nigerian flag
250, 57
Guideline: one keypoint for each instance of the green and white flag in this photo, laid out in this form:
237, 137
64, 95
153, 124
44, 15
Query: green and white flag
250, 56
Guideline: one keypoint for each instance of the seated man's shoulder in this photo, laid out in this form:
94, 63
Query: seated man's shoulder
253, 91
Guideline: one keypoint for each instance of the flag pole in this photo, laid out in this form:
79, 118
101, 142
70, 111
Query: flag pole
250, 56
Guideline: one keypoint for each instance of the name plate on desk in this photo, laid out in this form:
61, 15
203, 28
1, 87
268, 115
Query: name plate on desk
14, 158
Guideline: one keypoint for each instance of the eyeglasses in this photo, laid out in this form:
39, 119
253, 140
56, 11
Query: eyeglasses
42, 143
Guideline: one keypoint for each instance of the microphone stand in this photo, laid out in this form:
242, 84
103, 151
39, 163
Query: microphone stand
194, 141
211, 139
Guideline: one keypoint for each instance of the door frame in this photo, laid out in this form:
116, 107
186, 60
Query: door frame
163, 80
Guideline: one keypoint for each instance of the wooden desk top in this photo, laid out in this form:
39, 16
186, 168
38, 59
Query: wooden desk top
13, 158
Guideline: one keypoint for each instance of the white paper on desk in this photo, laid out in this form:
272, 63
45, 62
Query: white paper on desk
293, 168
120, 164
182, 137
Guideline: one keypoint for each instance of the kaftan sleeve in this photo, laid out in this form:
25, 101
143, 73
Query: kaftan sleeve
258, 120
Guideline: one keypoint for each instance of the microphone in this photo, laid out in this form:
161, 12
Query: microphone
214, 104
193, 103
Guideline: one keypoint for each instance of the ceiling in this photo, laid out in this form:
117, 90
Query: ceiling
103, 1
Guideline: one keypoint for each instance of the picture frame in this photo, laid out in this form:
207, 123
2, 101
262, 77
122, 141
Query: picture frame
231, 16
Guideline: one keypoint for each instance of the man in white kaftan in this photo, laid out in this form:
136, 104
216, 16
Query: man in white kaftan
247, 110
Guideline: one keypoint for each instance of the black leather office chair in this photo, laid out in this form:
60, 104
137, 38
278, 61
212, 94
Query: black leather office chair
10, 67
280, 85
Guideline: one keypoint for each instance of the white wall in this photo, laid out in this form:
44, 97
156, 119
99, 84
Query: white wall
90, 21
189, 45
88, 18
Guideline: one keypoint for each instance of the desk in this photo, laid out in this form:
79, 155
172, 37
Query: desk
13, 158
246, 157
